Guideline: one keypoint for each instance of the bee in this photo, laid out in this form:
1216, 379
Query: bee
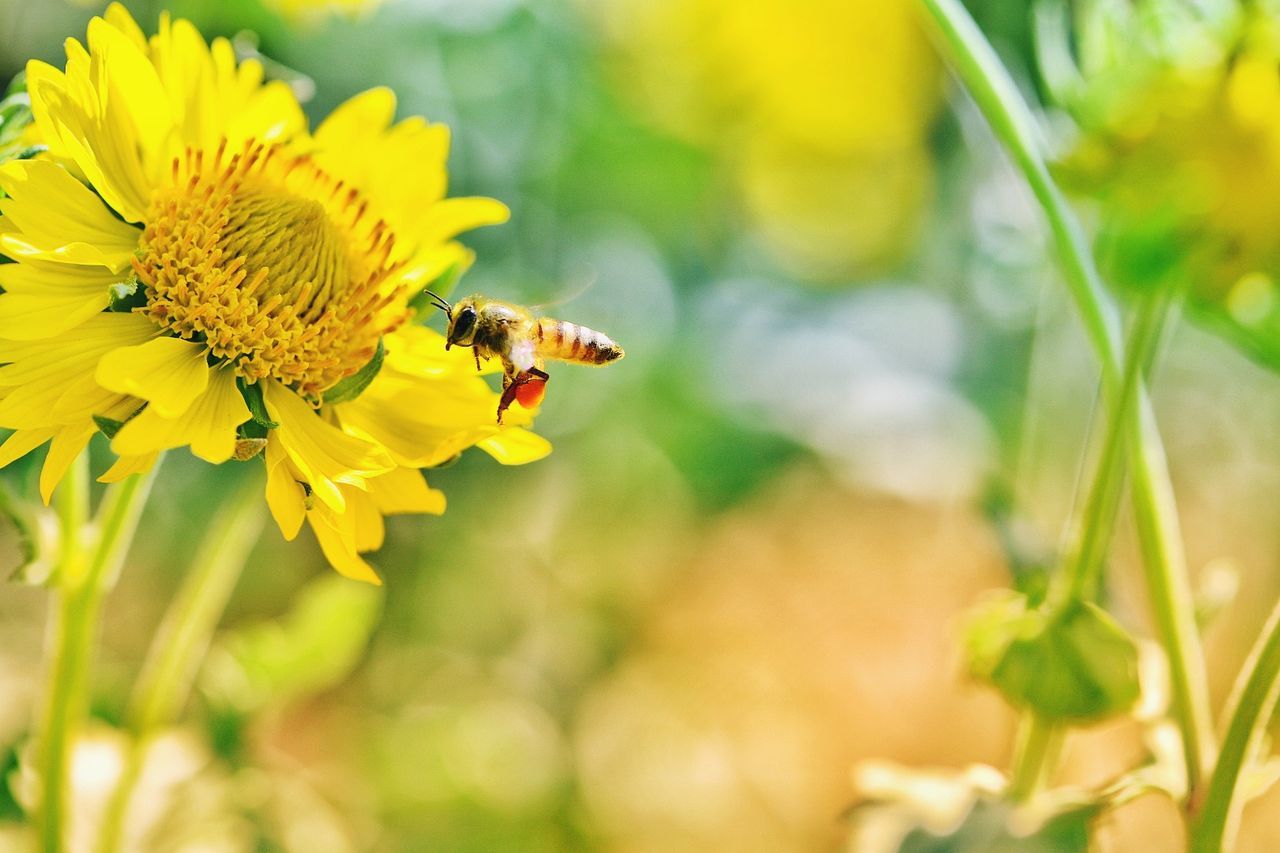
523, 343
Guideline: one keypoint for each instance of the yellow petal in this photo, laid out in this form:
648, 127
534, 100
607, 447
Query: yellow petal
270, 113
356, 119
516, 446
133, 88
337, 537
369, 527
54, 216
80, 126
285, 496
68, 443
169, 373
35, 277
53, 378
451, 216
22, 442
26, 317
404, 490
208, 425
118, 16
323, 454
127, 466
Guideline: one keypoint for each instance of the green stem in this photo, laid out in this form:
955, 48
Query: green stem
1097, 520
1039, 741
180, 644
1155, 512
71, 500
83, 576
1252, 704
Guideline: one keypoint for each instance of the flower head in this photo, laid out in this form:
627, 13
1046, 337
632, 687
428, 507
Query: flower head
1179, 138
193, 268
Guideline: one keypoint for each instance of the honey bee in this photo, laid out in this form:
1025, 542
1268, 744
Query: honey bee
523, 343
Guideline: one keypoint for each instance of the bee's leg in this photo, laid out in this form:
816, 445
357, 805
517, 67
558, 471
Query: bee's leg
511, 385
508, 397
476, 353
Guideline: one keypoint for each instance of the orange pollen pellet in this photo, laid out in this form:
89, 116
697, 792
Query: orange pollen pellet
272, 263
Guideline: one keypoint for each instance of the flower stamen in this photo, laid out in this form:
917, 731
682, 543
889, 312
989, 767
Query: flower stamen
270, 262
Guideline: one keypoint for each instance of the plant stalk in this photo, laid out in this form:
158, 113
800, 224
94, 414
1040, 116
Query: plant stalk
180, 644
85, 572
1249, 711
1038, 745
978, 67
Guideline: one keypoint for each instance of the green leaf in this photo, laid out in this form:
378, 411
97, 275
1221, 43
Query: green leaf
353, 386
18, 83
310, 649
252, 394
15, 116
127, 295
441, 285
1074, 663
986, 830
33, 540
108, 426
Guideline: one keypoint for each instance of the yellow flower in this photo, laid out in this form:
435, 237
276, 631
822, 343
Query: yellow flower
193, 268
820, 109
1179, 138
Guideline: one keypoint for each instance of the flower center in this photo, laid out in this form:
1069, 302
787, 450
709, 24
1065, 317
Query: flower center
272, 263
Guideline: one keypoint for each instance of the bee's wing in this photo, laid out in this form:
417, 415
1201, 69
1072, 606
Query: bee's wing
575, 287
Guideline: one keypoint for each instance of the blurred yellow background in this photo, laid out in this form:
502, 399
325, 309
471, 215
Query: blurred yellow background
740, 574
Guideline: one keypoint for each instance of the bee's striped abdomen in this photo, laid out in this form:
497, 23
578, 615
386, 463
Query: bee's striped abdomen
565, 341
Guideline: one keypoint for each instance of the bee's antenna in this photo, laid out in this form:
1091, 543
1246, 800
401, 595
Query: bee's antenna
440, 303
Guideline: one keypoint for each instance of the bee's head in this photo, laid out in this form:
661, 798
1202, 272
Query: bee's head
462, 323
461, 328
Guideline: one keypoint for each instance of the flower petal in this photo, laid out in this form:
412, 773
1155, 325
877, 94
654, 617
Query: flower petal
79, 125
208, 424
336, 533
449, 217
51, 381
169, 373
22, 442
68, 443
404, 490
323, 454
516, 446
285, 496
356, 119
49, 214
133, 88
127, 466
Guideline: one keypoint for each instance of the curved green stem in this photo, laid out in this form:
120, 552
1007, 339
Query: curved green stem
1252, 704
180, 644
84, 575
1159, 535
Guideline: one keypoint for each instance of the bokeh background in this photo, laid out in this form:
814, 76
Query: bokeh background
854, 398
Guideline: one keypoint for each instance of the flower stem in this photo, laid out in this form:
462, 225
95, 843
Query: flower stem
85, 571
1039, 741
181, 641
71, 500
1253, 701
978, 67
1098, 517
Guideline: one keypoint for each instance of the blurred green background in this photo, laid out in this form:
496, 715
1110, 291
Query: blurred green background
854, 398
